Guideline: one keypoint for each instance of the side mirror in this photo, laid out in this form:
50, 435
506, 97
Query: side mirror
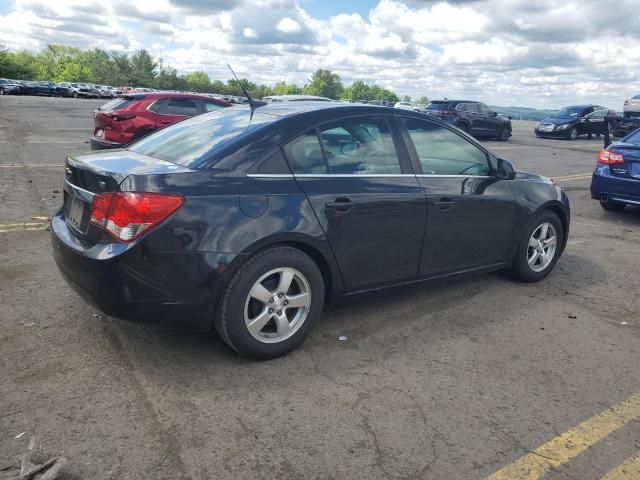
493, 114
505, 170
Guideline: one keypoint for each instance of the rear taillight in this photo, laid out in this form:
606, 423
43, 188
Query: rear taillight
120, 116
610, 158
127, 215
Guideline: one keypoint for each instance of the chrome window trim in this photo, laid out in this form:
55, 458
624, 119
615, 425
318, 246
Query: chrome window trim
355, 175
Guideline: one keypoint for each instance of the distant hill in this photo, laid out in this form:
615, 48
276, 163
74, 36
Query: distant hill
523, 113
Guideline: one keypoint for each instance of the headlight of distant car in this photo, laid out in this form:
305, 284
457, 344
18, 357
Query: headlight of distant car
564, 126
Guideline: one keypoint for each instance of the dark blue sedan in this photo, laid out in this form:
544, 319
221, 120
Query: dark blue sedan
616, 178
250, 218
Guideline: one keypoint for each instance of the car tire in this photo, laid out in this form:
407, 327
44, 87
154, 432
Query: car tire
504, 133
612, 206
1, 91
75, 95
463, 126
278, 328
529, 265
572, 134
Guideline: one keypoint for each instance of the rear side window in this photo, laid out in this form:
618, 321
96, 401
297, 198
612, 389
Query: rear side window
443, 152
305, 154
438, 106
211, 106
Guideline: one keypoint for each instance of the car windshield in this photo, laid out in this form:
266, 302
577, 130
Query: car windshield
569, 112
634, 138
192, 141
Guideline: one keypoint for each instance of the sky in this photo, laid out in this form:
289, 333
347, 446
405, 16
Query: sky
542, 53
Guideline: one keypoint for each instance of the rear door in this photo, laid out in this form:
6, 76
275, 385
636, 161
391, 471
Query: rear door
359, 181
470, 214
472, 113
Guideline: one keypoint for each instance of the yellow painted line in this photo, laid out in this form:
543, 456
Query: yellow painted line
570, 444
24, 224
23, 227
32, 165
627, 470
30, 229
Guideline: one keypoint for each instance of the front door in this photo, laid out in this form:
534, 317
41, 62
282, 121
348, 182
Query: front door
470, 213
366, 197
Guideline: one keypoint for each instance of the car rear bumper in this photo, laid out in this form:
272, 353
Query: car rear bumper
100, 144
617, 189
133, 283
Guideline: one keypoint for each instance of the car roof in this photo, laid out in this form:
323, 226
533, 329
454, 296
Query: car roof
282, 109
152, 95
298, 98
455, 101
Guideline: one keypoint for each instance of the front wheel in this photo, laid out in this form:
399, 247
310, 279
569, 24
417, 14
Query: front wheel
271, 303
504, 133
539, 248
573, 134
463, 126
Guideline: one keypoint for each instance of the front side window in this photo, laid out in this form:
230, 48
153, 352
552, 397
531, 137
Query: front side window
360, 146
443, 152
181, 106
484, 109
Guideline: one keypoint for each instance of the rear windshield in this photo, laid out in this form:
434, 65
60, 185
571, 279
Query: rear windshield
115, 104
194, 140
438, 106
634, 138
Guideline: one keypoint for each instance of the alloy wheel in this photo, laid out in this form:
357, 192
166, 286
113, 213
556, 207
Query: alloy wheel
278, 304
542, 247
573, 134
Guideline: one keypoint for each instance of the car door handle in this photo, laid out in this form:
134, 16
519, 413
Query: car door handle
444, 203
341, 204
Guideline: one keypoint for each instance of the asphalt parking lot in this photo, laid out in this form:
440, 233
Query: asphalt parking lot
468, 378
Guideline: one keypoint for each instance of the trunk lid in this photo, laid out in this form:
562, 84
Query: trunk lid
631, 166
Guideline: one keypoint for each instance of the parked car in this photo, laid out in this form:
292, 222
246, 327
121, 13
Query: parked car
474, 118
293, 98
70, 89
631, 107
251, 218
7, 87
625, 126
572, 121
406, 106
616, 178
87, 90
42, 88
129, 117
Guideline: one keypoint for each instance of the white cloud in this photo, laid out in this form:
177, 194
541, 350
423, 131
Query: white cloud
288, 25
506, 52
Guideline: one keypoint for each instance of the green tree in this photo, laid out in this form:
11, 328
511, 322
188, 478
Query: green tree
198, 81
283, 88
143, 68
101, 66
124, 70
358, 90
406, 98
167, 78
324, 83
423, 100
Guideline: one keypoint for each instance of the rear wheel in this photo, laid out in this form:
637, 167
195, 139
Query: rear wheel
612, 206
504, 133
271, 303
539, 248
463, 126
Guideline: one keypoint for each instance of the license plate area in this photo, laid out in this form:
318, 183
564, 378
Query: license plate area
76, 212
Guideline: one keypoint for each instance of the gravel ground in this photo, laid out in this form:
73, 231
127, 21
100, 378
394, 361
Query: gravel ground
443, 380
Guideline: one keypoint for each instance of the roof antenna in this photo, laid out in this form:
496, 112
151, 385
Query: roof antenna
252, 103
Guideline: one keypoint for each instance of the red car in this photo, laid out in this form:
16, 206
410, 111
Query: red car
129, 117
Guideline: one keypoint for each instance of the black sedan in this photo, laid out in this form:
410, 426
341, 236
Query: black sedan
573, 121
251, 218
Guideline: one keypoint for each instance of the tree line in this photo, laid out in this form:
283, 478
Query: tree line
62, 63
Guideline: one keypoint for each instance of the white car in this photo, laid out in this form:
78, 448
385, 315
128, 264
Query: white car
631, 107
406, 106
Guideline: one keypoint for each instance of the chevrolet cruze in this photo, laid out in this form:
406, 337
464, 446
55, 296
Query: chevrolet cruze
249, 219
